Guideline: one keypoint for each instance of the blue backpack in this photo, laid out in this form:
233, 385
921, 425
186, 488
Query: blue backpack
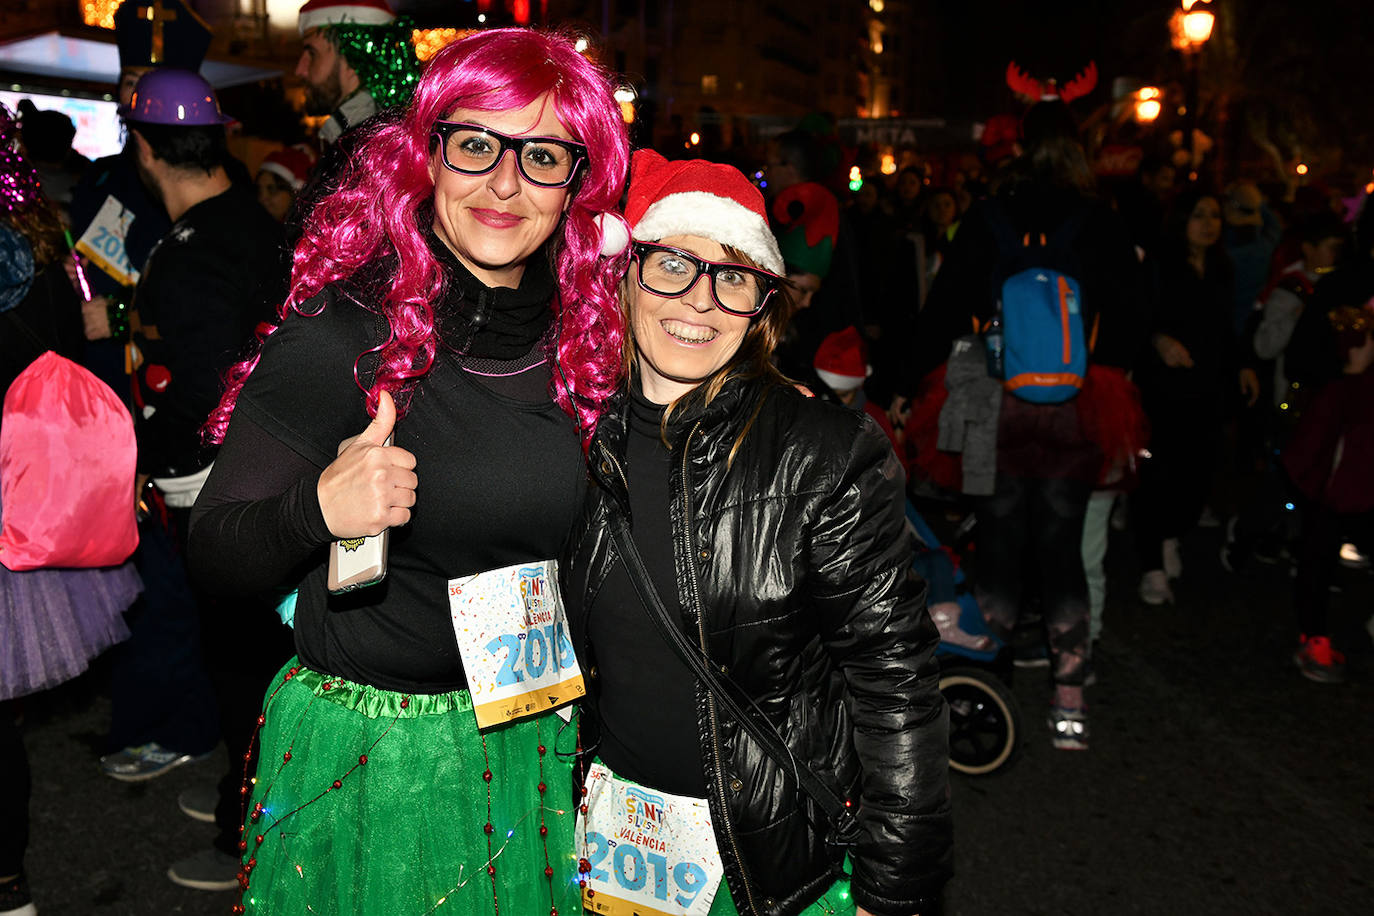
1036, 342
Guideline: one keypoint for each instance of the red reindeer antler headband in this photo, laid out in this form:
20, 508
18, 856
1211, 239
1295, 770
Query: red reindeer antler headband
1079, 86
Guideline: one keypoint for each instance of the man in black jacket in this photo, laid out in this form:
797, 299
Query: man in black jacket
206, 285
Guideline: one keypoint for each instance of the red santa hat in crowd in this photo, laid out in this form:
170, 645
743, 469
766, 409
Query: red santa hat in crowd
841, 360
291, 164
696, 197
319, 13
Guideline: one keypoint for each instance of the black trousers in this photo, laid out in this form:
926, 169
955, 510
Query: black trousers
14, 794
1177, 477
1323, 531
159, 689
1036, 525
243, 645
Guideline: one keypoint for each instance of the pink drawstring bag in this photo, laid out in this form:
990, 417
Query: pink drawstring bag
67, 469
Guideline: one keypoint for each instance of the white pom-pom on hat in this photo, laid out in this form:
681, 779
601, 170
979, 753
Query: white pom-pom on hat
615, 233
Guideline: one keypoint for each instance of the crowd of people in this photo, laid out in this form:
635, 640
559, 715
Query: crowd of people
469, 411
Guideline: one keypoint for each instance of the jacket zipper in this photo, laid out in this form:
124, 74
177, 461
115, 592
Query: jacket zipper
716, 755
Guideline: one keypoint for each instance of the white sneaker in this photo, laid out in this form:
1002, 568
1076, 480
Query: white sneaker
1351, 557
1154, 588
1173, 560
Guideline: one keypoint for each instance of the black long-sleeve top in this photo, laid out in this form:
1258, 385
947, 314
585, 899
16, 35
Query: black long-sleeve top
500, 476
655, 750
205, 287
1195, 310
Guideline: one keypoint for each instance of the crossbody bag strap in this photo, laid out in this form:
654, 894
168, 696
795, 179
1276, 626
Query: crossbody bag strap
839, 811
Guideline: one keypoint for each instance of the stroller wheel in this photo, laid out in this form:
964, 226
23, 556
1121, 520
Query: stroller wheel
984, 720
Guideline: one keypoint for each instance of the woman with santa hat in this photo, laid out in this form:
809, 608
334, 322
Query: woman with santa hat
765, 733
450, 307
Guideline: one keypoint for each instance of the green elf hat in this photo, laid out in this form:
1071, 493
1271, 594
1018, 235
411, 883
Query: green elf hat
375, 42
807, 217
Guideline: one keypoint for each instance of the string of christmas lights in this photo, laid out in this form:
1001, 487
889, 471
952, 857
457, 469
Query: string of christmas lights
252, 842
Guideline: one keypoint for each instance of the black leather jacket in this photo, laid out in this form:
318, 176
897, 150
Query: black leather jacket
794, 573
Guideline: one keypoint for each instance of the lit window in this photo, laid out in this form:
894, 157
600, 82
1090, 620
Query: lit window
710, 84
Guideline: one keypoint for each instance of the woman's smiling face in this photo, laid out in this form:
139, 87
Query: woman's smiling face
494, 222
682, 340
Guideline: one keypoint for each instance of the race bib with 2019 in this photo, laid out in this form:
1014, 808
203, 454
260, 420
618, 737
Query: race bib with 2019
651, 853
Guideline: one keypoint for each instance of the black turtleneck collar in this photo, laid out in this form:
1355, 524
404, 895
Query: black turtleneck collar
493, 322
645, 417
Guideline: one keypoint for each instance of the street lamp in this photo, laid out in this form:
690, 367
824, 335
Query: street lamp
1197, 22
1147, 104
1190, 28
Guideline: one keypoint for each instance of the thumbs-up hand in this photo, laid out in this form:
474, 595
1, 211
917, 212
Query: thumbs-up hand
371, 485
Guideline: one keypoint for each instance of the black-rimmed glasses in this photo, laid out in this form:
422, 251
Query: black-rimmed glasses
735, 288
471, 149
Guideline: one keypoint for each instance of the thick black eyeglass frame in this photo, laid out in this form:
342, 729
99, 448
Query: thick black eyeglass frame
443, 129
771, 280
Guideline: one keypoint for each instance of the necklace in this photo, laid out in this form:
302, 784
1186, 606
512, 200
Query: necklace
503, 368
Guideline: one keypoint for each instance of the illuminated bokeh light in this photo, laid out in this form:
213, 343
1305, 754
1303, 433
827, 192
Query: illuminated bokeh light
429, 41
99, 13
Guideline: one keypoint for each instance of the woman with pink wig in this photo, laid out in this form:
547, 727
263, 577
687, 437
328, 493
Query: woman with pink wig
450, 306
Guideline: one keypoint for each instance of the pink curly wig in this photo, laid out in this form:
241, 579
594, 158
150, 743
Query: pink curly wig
384, 204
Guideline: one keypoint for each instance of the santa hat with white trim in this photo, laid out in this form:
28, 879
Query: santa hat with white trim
319, 13
696, 197
292, 165
842, 361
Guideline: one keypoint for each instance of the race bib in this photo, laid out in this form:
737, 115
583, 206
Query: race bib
651, 853
103, 241
513, 638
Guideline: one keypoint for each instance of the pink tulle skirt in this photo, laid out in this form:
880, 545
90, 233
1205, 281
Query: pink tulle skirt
54, 621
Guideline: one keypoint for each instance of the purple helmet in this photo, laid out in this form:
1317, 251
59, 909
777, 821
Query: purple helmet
176, 97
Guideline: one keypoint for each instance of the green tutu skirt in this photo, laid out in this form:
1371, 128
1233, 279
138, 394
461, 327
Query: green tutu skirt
369, 802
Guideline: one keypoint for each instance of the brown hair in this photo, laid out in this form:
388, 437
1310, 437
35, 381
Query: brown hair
753, 359
41, 226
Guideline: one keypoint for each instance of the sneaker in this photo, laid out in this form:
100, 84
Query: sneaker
199, 803
15, 899
207, 870
1351, 557
135, 764
1154, 588
1173, 560
1069, 728
1031, 657
946, 616
1271, 551
1028, 649
1317, 661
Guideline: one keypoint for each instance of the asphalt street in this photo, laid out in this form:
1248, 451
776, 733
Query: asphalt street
1219, 781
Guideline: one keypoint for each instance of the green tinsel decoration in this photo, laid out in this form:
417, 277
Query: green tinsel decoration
382, 56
